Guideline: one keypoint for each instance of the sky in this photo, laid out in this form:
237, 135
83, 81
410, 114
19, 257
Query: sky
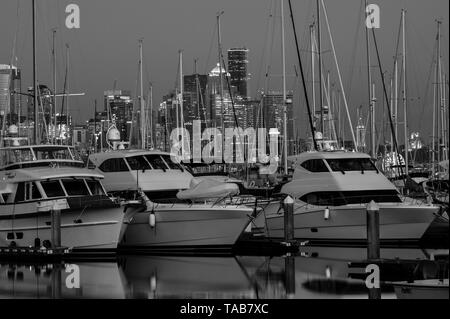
104, 50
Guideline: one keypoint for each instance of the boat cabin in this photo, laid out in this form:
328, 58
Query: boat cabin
338, 178
27, 186
154, 172
39, 155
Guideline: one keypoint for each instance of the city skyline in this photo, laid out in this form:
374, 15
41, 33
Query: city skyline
102, 54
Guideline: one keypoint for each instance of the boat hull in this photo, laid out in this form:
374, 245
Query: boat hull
85, 228
348, 223
187, 226
422, 289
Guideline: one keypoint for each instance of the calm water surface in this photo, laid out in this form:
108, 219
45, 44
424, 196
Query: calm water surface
313, 273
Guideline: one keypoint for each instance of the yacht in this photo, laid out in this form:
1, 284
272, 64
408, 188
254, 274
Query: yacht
34, 180
168, 213
331, 192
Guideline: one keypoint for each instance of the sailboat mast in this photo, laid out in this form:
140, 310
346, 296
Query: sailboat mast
67, 101
141, 97
151, 115
285, 119
369, 83
439, 103
405, 110
320, 67
54, 86
312, 70
181, 99
219, 54
35, 97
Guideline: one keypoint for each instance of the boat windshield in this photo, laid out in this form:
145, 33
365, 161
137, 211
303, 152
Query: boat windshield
75, 187
9, 156
351, 164
138, 163
46, 153
156, 161
170, 163
351, 197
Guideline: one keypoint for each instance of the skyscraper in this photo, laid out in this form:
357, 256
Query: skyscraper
219, 98
273, 108
194, 99
120, 107
237, 67
9, 84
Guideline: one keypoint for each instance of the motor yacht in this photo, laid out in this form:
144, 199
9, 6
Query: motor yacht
331, 192
153, 186
36, 179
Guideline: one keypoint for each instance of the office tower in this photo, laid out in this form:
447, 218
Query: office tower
237, 67
119, 105
194, 99
10, 84
219, 99
273, 110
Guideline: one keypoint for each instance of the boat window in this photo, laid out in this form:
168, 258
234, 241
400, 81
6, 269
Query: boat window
315, 166
170, 163
75, 187
49, 153
12, 156
53, 188
20, 193
351, 197
156, 161
33, 192
76, 155
95, 187
138, 163
351, 164
114, 165
27, 191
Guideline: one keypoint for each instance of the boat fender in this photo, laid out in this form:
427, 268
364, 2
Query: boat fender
152, 219
326, 214
328, 272
153, 282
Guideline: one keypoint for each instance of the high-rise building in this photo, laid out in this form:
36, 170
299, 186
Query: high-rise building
194, 99
273, 110
219, 98
10, 83
120, 107
237, 67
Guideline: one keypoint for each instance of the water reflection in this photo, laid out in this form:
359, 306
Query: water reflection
316, 272
80, 280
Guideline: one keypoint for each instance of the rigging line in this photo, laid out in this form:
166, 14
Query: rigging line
355, 48
303, 79
211, 42
387, 103
270, 49
134, 128
267, 28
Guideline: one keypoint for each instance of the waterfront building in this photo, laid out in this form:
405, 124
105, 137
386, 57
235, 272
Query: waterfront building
120, 106
237, 67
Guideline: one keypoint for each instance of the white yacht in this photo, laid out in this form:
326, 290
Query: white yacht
33, 179
167, 216
331, 192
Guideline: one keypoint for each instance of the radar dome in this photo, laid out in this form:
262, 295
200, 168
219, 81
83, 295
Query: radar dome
13, 129
113, 135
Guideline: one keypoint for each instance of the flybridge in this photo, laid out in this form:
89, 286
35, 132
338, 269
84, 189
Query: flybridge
38, 155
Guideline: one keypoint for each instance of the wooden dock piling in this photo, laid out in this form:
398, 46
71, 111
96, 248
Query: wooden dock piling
373, 231
373, 241
288, 219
